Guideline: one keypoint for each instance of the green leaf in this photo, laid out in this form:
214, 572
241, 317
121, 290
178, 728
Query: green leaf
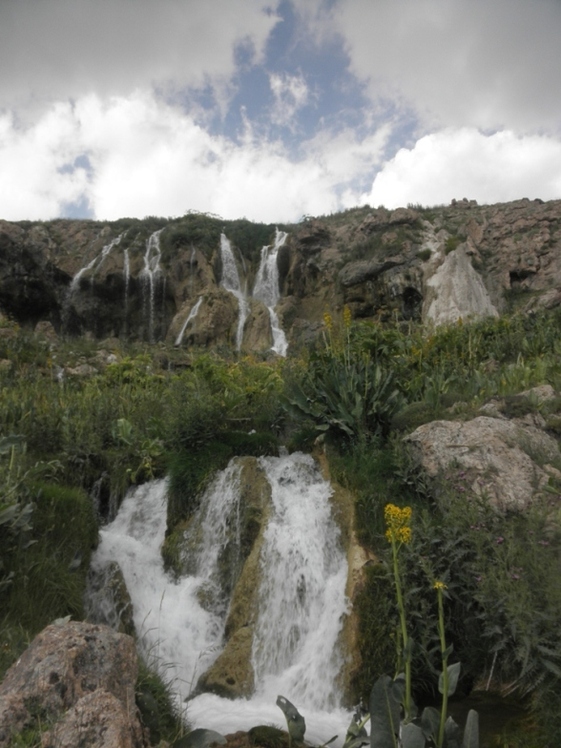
453, 675
552, 667
452, 734
430, 722
412, 736
471, 730
295, 722
384, 714
398, 687
14, 440
8, 514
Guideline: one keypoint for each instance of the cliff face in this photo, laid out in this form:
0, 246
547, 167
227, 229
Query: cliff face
156, 279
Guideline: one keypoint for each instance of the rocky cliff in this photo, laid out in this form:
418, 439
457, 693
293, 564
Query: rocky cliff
159, 279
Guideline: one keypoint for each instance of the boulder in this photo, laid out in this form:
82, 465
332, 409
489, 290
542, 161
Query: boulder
74, 676
97, 720
505, 461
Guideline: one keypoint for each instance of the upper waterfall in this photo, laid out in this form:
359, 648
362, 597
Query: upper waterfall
231, 282
152, 271
190, 317
95, 263
266, 289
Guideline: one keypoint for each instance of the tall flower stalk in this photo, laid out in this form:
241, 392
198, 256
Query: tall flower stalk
398, 533
440, 587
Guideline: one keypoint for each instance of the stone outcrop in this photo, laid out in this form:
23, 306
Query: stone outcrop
456, 291
358, 559
231, 675
78, 680
508, 462
434, 265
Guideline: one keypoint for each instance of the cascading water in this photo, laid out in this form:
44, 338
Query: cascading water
127, 273
191, 316
231, 282
301, 597
151, 272
94, 264
266, 289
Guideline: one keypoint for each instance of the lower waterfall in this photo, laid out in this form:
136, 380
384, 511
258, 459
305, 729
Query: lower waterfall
302, 601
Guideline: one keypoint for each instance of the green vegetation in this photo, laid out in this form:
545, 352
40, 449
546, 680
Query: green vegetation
360, 389
203, 231
451, 244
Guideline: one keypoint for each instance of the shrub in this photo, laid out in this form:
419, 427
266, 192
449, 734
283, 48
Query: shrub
50, 573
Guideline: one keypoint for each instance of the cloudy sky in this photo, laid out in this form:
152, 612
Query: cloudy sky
274, 110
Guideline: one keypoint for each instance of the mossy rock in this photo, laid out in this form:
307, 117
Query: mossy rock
266, 736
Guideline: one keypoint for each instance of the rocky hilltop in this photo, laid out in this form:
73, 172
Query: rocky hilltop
201, 281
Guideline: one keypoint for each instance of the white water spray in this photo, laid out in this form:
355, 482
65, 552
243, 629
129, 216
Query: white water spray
266, 289
191, 316
231, 282
301, 597
151, 272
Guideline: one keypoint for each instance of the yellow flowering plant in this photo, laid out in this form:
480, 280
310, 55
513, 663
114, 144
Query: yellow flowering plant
398, 533
393, 715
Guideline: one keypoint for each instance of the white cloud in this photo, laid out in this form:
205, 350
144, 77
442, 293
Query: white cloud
466, 163
53, 49
290, 93
491, 64
149, 158
344, 156
32, 185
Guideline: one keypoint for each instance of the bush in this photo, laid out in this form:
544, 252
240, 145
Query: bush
50, 573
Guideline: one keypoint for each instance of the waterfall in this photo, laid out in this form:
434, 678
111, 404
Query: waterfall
302, 593
151, 271
266, 289
127, 273
94, 264
231, 282
301, 597
191, 316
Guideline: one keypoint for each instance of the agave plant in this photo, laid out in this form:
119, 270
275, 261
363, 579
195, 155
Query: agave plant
352, 398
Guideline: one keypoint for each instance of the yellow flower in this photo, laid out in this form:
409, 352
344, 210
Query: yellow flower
328, 320
404, 535
397, 521
347, 317
440, 586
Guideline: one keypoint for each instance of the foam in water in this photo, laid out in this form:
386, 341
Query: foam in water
266, 289
231, 282
301, 598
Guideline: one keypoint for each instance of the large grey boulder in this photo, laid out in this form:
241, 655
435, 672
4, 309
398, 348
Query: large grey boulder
508, 462
74, 677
